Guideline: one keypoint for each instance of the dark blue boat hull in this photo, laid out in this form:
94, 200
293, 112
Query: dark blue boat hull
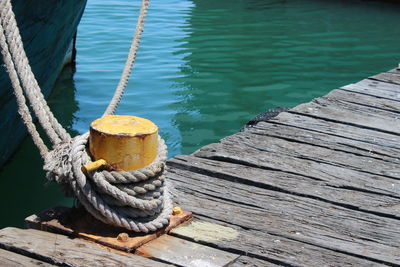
47, 28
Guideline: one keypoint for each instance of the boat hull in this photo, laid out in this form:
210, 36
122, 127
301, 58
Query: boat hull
47, 29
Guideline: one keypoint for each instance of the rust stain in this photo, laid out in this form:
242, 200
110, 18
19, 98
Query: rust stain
79, 223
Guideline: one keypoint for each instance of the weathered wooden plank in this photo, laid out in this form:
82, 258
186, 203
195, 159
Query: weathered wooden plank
391, 77
11, 259
353, 114
365, 100
315, 153
61, 250
303, 186
245, 261
306, 220
375, 88
185, 253
273, 128
264, 246
395, 70
339, 176
370, 140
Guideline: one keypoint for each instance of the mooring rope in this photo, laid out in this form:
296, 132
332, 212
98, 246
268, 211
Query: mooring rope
53, 129
136, 200
126, 73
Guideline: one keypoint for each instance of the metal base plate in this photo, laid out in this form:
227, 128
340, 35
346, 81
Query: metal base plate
77, 222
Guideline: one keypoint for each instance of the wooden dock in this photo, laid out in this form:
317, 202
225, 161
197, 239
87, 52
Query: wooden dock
318, 185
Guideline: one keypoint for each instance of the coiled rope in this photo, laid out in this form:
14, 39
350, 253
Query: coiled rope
136, 200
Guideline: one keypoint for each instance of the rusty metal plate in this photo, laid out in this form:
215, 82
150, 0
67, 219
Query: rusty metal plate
78, 222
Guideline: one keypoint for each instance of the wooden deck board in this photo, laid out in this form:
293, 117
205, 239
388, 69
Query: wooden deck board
245, 261
318, 185
61, 250
323, 177
260, 244
326, 141
299, 218
353, 114
369, 87
391, 77
327, 191
11, 259
181, 252
365, 100
316, 153
319, 171
360, 138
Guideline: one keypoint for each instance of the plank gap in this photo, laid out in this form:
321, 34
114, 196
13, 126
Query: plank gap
278, 235
32, 255
321, 146
324, 162
232, 178
328, 134
382, 80
233, 250
343, 122
367, 94
249, 164
366, 105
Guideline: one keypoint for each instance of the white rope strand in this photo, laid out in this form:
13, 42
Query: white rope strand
123, 82
19, 95
49, 123
137, 200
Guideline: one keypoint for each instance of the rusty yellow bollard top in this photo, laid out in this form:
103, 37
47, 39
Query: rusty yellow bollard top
124, 142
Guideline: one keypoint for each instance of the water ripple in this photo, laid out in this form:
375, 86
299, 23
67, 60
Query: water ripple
206, 67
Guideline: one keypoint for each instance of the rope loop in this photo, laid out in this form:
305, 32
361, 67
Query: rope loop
136, 200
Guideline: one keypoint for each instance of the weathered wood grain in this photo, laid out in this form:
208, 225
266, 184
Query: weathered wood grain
391, 77
61, 250
185, 253
11, 259
296, 149
261, 234
245, 261
293, 133
360, 138
341, 177
284, 215
375, 88
316, 186
353, 114
395, 70
326, 175
272, 249
365, 100
326, 191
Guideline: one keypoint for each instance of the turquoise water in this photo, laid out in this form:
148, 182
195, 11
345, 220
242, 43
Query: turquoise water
203, 69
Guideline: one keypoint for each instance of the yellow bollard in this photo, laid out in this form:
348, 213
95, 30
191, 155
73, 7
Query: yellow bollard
124, 142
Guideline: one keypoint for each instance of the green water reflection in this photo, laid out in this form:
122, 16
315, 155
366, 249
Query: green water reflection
244, 57
24, 189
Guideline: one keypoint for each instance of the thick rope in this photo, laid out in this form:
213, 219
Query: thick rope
123, 82
49, 123
23, 109
137, 200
